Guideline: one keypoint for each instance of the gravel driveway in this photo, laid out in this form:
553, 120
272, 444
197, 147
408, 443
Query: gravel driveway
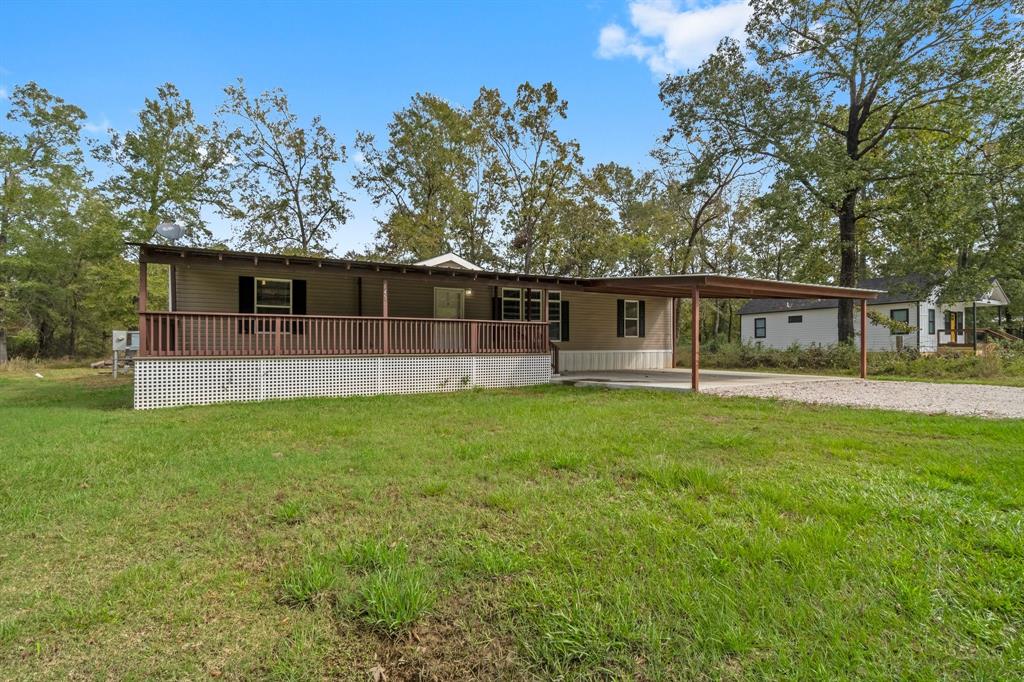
908, 396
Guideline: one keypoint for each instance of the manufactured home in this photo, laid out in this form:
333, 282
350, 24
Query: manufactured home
252, 326
913, 299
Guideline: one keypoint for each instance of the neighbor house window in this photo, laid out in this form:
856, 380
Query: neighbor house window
555, 315
760, 327
511, 304
273, 296
931, 320
796, 319
631, 318
899, 315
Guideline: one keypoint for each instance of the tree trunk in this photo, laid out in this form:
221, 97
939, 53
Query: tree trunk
3, 346
847, 262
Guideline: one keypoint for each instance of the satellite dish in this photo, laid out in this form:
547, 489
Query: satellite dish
172, 232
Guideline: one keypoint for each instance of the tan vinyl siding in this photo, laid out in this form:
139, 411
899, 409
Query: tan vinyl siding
592, 317
592, 323
415, 298
215, 290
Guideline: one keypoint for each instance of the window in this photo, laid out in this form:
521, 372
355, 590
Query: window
534, 307
931, 320
273, 296
511, 304
899, 315
514, 304
631, 318
555, 315
760, 327
796, 319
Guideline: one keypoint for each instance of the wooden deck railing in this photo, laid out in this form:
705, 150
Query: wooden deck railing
177, 334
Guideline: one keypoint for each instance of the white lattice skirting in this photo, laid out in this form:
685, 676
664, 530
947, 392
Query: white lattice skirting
189, 381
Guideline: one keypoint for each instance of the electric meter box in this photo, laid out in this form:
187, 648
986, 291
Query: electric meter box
124, 340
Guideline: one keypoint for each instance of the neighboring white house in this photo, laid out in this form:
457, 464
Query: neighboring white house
780, 323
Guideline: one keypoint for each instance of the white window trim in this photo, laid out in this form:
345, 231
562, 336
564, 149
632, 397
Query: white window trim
906, 321
626, 318
517, 297
764, 328
557, 318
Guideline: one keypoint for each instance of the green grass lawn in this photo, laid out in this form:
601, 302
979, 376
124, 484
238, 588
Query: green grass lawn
504, 534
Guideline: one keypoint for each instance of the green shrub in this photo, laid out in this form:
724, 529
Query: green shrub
23, 344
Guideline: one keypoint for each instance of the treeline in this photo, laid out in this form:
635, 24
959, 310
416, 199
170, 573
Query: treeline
841, 140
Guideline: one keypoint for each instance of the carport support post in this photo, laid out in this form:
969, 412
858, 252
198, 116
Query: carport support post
863, 338
695, 341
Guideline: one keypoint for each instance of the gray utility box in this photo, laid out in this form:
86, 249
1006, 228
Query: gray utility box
125, 341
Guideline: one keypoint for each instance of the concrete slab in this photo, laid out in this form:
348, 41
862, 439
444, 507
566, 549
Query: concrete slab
679, 379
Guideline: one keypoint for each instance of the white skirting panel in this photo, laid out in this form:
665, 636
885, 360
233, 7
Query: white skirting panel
590, 360
198, 381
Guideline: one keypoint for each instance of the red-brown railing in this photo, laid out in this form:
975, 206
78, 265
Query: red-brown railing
166, 334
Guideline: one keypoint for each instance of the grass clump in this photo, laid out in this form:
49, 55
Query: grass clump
307, 584
374, 555
391, 599
290, 513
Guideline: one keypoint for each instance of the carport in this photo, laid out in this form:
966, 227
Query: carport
697, 286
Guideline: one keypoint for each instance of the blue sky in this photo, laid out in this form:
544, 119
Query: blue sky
356, 63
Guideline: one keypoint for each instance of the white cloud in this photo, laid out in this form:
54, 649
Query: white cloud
670, 38
3, 92
102, 126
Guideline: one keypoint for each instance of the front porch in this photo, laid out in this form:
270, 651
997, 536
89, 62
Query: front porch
219, 335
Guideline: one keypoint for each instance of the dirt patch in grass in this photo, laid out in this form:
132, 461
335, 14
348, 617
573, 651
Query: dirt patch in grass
451, 644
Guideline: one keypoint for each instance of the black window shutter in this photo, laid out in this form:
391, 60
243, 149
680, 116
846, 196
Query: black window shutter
620, 317
246, 294
298, 304
496, 305
246, 302
298, 297
643, 320
565, 320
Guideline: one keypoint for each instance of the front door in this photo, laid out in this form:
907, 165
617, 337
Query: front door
449, 304
955, 324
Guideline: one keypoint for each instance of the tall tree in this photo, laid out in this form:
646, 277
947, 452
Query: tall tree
538, 165
586, 240
42, 155
833, 86
168, 169
632, 200
438, 179
286, 195
696, 182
